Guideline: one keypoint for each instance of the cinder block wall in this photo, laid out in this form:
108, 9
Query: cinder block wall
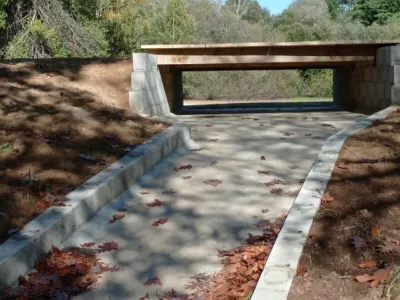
370, 87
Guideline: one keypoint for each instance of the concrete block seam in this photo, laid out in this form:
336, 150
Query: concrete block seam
19, 253
276, 279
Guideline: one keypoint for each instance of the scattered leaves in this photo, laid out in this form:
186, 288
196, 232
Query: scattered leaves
61, 275
377, 278
213, 182
155, 203
358, 242
160, 222
153, 281
116, 217
368, 264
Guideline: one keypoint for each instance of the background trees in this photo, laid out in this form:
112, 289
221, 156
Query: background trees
86, 28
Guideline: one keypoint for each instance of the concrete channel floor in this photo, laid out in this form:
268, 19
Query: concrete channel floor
203, 219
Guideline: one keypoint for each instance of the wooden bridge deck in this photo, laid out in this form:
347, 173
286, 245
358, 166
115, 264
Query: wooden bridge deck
266, 55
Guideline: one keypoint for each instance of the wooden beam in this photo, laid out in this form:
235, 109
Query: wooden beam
256, 61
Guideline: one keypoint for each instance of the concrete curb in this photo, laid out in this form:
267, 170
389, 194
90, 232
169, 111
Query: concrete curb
19, 253
277, 276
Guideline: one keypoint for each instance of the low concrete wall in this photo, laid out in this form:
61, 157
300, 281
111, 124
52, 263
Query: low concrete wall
370, 87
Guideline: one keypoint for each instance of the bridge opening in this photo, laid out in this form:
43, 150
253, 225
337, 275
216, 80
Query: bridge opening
258, 89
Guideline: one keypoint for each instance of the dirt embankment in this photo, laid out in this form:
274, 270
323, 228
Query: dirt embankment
61, 122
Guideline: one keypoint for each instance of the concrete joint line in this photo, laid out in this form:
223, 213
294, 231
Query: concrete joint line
277, 276
20, 252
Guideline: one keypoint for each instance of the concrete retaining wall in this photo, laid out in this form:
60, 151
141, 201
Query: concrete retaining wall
370, 87
155, 91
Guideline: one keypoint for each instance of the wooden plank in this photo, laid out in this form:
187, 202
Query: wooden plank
277, 44
256, 60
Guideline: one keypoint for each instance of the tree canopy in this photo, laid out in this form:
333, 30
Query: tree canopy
84, 28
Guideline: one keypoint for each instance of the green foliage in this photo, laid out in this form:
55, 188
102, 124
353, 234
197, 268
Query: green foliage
176, 25
376, 11
36, 41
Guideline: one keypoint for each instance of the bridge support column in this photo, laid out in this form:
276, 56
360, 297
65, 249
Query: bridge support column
370, 87
148, 95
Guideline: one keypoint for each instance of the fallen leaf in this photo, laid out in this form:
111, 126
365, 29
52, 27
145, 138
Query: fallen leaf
209, 125
88, 245
288, 134
116, 217
376, 230
341, 166
301, 270
144, 297
273, 182
213, 140
390, 246
86, 156
155, 203
186, 167
328, 125
197, 150
169, 192
265, 210
294, 167
214, 162
327, 198
276, 191
153, 281
107, 247
368, 264
144, 193
187, 177
262, 157
358, 242
308, 134
377, 278
213, 182
160, 222
264, 172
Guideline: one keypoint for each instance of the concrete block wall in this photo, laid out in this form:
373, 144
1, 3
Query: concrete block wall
370, 87
147, 94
